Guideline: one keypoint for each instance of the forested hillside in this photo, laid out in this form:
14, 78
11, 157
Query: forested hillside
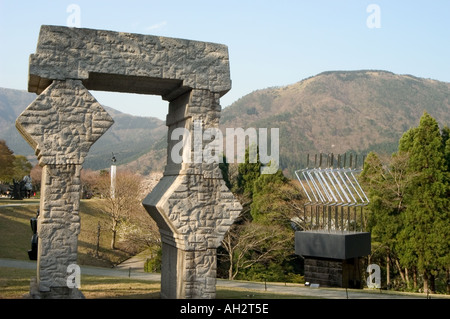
339, 111
332, 112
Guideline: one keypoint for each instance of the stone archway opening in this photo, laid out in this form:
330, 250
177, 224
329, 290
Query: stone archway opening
138, 136
141, 105
191, 204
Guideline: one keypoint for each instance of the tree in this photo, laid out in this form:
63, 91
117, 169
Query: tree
446, 146
427, 228
36, 176
225, 169
386, 187
139, 231
89, 180
6, 162
275, 199
252, 243
262, 237
409, 203
21, 167
446, 150
249, 171
124, 203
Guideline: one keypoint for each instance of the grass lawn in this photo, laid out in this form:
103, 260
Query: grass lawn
15, 232
15, 284
15, 241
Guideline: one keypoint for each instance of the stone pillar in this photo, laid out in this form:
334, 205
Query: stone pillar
58, 229
61, 125
191, 204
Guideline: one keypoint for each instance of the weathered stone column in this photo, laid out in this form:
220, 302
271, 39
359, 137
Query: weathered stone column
61, 125
191, 204
58, 229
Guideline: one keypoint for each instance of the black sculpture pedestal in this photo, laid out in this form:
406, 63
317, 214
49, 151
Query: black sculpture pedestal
333, 259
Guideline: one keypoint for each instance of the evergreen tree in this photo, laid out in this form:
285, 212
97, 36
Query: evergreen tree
383, 220
446, 150
409, 202
6, 162
224, 167
426, 230
248, 173
446, 146
268, 203
260, 244
386, 186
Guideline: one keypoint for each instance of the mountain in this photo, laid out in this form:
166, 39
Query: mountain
12, 103
340, 111
129, 138
332, 112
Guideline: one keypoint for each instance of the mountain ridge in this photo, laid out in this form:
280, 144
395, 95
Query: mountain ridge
331, 112
341, 111
130, 136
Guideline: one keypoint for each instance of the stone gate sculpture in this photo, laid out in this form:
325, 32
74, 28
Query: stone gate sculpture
191, 204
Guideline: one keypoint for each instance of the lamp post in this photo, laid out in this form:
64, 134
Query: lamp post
113, 176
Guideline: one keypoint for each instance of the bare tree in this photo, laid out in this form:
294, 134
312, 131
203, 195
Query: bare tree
125, 202
89, 179
139, 229
252, 243
36, 176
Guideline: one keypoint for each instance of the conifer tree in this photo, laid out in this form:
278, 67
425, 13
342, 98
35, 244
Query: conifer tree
268, 203
426, 230
248, 172
409, 202
386, 187
6, 162
446, 150
260, 244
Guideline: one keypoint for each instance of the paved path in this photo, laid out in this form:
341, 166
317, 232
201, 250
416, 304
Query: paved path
126, 270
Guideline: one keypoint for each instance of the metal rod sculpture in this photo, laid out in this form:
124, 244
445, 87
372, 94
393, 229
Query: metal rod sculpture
330, 190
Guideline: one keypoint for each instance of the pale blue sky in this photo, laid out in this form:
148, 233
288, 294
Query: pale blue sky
271, 43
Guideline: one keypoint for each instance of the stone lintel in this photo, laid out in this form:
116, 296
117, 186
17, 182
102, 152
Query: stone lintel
126, 62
